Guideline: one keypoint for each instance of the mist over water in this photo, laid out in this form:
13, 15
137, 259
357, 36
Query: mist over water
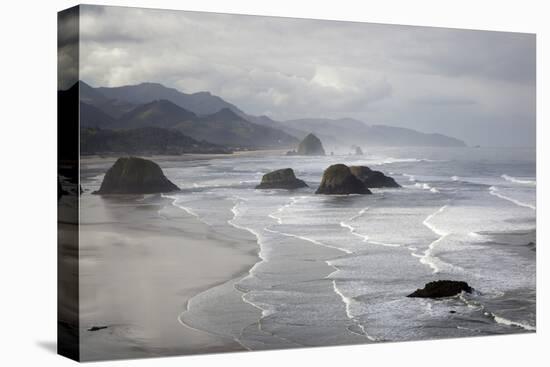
337, 269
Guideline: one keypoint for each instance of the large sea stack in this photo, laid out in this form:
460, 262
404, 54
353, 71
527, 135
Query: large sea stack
281, 179
442, 288
371, 178
311, 145
131, 175
338, 180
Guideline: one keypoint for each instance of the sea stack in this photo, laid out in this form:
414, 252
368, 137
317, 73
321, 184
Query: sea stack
371, 178
338, 180
131, 175
311, 145
281, 179
442, 288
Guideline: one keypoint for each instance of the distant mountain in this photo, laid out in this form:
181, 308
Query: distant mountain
145, 140
346, 132
205, 116
160, 113
91, 116
269, 122
111, 106
201, 103
228, 128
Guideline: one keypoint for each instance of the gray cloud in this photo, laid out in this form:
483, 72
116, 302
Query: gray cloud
450, 81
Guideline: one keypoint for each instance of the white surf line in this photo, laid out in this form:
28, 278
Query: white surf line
494, 191
264, 312
411, 177
307, 239
347, 302
183, 323
421, 185
293, 200
519, 181
186, 209
358, 215
496, 318
427, 257
363, 237
503, 321
344, 299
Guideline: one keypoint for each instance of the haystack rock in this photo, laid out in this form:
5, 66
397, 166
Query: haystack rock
338, 180
131, 175
371, 178
358, 151
281, 179
442, 288
311, 145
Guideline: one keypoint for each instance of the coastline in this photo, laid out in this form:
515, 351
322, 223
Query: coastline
139, 269
94, 159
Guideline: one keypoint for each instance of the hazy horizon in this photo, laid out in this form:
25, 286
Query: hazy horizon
462, 83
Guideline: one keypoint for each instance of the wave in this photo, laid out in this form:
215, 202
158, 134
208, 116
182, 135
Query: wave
391, 160
420, 185
502, 320
363, 237
425, 186
496, 318
348, 302
494, 191
251, 273
180, 319
293, 200
427, 257
177, 202
307, 239
412, 178
358, 215
519, 181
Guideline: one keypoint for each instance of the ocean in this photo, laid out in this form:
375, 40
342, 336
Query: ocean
337, 269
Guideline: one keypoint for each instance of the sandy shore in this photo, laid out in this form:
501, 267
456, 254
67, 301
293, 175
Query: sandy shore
141, 259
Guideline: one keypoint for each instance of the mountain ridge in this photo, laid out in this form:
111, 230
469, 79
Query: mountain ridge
121, 101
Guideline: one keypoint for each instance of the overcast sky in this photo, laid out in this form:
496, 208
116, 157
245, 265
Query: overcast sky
475, 85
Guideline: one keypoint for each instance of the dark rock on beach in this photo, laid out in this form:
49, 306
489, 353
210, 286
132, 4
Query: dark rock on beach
281, 179
131, 175
311, 145
442, 288
96, 328
371, 178
338, 180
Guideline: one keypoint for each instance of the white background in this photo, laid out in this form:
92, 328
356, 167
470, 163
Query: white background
28, 185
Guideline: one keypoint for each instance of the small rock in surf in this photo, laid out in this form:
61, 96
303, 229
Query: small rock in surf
338, 180
281, 179
442, 288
